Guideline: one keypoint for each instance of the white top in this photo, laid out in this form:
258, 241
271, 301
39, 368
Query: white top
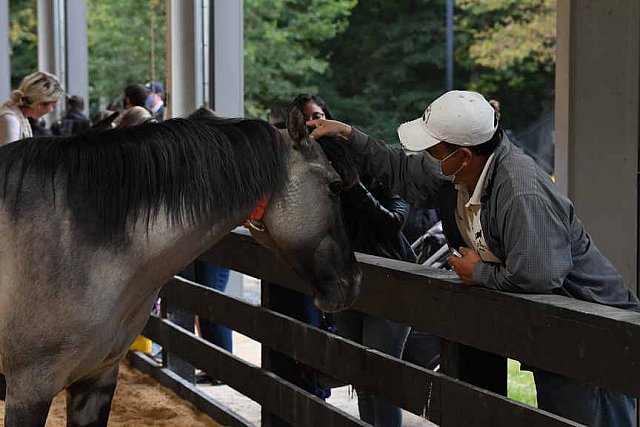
13, 125
468, 217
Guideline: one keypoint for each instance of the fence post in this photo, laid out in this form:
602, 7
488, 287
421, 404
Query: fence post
474, 366
186, 320
288, 302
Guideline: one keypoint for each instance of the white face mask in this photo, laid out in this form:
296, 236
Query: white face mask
440, 172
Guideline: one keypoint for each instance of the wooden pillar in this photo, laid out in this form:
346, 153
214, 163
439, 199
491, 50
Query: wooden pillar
290, 303
186, 320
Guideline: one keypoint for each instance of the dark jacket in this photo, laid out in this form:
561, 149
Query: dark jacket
73, 123
374, 221
526, 221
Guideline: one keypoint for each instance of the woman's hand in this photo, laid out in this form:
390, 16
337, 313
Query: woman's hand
331, 128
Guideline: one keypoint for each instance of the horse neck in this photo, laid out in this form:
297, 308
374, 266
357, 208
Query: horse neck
168, 248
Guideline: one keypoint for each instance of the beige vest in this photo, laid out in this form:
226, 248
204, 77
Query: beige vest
25, 127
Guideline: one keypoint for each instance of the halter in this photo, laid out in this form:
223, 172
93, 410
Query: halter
255, 221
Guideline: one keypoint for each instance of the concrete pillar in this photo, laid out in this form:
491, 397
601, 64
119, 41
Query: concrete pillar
51, 44
226, 68
181, 57
597, 122
5, 45
77, 51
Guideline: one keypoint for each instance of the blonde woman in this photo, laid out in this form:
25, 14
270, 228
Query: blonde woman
37, 95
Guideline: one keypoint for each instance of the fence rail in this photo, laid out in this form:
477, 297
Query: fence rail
563, 335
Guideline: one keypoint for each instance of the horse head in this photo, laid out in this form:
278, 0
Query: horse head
304, 225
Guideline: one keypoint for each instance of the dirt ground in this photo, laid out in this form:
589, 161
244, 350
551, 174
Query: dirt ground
139, 401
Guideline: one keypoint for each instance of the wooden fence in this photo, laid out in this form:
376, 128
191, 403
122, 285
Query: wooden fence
481, 328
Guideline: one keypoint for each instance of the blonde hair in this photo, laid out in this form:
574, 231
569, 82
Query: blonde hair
37, 88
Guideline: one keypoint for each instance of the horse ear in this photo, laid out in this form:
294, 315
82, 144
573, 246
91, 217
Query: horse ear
297, 128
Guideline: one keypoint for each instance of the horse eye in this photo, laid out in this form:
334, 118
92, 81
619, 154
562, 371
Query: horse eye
335, 187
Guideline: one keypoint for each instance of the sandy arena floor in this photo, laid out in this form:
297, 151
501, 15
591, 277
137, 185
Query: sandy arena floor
139, 401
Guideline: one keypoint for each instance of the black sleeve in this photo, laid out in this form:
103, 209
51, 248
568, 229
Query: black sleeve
408, 176
386, 219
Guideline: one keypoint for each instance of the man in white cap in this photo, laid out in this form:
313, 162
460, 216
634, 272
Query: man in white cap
514, 230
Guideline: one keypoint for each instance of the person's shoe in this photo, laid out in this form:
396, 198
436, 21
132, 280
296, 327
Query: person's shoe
206, 379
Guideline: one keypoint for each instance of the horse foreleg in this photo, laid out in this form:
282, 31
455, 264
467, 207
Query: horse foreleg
33, 414
89, 400
28, 398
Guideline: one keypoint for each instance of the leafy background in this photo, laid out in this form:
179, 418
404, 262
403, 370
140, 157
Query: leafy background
377, 62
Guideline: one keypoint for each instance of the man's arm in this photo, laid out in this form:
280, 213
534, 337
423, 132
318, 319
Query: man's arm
408, 176
538, 247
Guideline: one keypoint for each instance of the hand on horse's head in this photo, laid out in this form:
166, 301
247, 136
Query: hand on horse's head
331, 128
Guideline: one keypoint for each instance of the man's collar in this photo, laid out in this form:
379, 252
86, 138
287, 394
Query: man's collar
475, 198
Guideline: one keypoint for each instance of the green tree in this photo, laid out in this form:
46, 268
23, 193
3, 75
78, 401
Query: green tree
23, 37
508, 50
284, 47
387, 64
126, 45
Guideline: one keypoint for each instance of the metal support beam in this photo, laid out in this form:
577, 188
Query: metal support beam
597, 122
5, 46
226, 66
77, 51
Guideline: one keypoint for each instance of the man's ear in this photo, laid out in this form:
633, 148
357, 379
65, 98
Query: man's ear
467, 154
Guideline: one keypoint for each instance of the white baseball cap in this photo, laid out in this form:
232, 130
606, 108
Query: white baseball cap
458, 117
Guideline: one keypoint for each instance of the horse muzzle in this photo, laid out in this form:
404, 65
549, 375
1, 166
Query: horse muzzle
339, 294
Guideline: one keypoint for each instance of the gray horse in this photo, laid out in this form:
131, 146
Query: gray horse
91, 227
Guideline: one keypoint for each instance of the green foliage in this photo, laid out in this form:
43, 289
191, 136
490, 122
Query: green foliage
521, 386
376, 62
387, 64
283, 40
120, 45
23, 37
508, 49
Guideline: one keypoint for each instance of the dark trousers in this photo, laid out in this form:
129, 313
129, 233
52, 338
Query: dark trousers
214, 277
582, 402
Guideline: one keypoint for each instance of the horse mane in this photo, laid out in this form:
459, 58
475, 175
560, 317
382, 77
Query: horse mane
195, 169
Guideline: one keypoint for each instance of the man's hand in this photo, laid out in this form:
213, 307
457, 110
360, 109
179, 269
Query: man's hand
463, 266
331, 128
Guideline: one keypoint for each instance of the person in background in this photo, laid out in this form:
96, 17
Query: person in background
135, 95
154, 101
39, 127
313, 107
37, 96
74, 121
135, 116
515, 230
